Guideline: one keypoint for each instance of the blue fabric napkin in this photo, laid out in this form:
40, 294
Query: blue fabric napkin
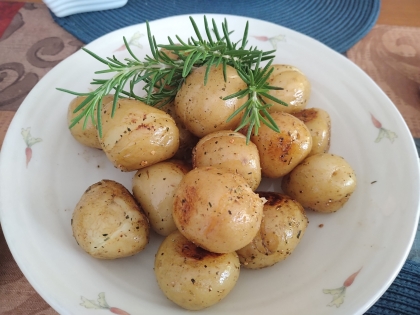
337, 23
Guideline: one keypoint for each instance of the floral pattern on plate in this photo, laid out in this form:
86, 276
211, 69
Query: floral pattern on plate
30, 141
273, 40
340, 293
133, 41
101, 304
383, 133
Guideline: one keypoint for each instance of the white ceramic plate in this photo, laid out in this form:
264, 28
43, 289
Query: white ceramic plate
345, 261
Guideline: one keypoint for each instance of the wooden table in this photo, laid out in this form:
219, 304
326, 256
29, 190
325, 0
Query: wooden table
397, 34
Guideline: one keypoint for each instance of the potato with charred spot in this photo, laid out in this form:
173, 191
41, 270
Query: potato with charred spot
154, 188
192, 277
319, 123
217, 210
229, 150
138, 135
296, 89
201, 106
282, 227
108, 223
85, 134
281, 151
323, 182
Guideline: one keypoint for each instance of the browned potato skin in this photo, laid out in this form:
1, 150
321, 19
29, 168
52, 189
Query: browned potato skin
282, 227
154, 188
187, 140
217, 210
192, 277
229, 150
281, 151
87, 136
201, 107
108, 223
296, 89
319, 123
138, 135
323, 182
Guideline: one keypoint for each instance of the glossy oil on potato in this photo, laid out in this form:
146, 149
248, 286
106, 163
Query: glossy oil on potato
108, 223
296, 89
229, 150
154, 188
281, 151
319, 123
323, 182
201, 106
282, 228
85, 134
138, 135
192, 277
217, 210
187, 140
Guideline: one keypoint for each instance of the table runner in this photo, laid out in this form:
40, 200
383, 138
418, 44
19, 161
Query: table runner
31, 44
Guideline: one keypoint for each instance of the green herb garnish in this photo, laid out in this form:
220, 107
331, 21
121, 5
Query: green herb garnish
163, 76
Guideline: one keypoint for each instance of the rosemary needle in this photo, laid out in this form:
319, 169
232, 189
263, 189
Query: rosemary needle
163, 76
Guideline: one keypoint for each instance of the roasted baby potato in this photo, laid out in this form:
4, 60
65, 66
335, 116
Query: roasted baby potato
229, 150
319, 123
296, 89
201, 106
187, 140
108, 223
87, 136
154, 188
323, 182
281, 151
217, 210
282, 227
192, 277
137, 135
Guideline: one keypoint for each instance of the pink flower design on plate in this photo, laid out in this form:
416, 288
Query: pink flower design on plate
30, 141
101, 304
383, 133
340, 293
273, 40
134, 41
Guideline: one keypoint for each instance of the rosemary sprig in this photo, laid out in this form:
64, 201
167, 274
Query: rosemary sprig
163, 76
255, 108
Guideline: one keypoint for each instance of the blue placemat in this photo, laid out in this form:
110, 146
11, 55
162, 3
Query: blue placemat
403, 296
337, 23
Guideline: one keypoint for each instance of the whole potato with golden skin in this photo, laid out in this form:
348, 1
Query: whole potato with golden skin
296, 89
217, 210
154, 188
138, 135
108, 223
201, 107
281, 151
229, 150
192, 277
319, 123
323, 182
282, 227
187, 140
87, 136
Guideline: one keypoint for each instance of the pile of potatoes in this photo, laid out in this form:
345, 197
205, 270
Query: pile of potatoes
195, 182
